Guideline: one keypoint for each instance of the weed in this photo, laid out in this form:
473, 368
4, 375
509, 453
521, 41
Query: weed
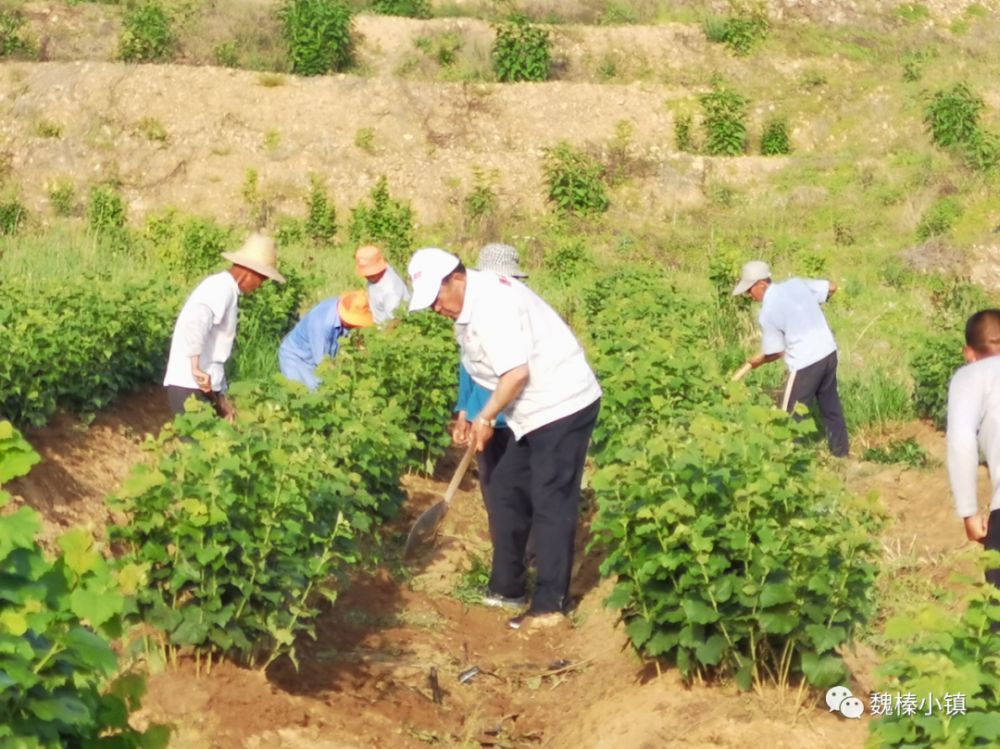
188, 246
470, 586
153, 129
775, 141
12, 41
147, 35
843, 234
482, 201
521, 51
575, 180
683, 137
981, 151
259, 207
106, 218
48, 129
953, 115
913, 12
226, 55
384, 221
410, 8
442, 48
875, 400
12, 216
272, 139
618, 14
608, 68
813, 79
62, 197
741, 31
725, 122
939, 218
722, 195
932, 363
318, 34
270, 80
321, 216
906, 451
364, 139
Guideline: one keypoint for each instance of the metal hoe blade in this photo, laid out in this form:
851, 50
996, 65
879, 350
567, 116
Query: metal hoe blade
425, 528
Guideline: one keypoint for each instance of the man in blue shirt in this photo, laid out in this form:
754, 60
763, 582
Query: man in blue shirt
318, 334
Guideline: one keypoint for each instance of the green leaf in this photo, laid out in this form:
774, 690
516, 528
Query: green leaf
639, 630
824, 671
710, 651
774, 595
777, 623
699, 612
96, 607
64, 709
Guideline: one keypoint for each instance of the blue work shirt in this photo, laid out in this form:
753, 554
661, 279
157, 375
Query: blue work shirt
473, 396
315, 336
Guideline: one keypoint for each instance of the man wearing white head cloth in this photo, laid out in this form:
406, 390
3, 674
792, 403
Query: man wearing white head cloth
515, 345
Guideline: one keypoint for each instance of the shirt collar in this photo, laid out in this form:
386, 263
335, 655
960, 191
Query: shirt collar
472, 279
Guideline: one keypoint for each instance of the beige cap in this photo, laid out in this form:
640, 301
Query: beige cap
258, 254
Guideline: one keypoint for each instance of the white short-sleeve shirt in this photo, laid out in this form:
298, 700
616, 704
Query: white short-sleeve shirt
503, 325
205, 327
385, 295
792, 322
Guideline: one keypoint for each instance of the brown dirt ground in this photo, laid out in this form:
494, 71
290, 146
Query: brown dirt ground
364, 682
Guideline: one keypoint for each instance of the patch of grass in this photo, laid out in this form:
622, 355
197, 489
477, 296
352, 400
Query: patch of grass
364, 139
62, 197
271, 80
903, 451
152, 129
48, 129
272, 139
470, 586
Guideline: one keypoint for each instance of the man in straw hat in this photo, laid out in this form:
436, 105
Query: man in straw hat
793, 327
206, 327
501, 259
318, 335
386, 290
515, 344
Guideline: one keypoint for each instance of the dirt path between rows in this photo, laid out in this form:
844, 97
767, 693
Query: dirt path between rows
364, 682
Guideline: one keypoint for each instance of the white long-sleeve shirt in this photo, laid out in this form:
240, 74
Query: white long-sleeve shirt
206, 327
974, 425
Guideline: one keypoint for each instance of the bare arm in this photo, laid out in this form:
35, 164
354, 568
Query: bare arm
756, 361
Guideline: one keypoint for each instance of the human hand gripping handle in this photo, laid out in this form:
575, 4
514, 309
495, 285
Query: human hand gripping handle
201, 378
461, 429
482, 432
975, 527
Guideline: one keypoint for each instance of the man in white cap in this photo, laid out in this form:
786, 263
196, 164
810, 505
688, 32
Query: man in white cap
386, 290
206, 327
793, 327
515, 345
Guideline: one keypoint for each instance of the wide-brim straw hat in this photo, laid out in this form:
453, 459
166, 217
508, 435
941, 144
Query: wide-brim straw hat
258, 254
354, 310
369, 261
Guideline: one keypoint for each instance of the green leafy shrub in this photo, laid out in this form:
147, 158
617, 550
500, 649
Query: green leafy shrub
725, 122
521, 51
147, 34
410, 8
952, 115
414, 362
574, 180
321, 216
13, 41
226, 55
265, 317
56, 619
775, 141
318, 34
188, 246
981, 151
12, 216
938, 656
741, 31
933, 360
107, 338
106, 219
482, 200
939, 218
384, 221
245, 529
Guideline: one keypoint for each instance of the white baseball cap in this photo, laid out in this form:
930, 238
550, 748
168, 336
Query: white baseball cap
754, 271
427, 269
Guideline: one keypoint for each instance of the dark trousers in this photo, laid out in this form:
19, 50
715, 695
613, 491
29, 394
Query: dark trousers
177, 397
535, 488
487, 461
992, 543
819, 382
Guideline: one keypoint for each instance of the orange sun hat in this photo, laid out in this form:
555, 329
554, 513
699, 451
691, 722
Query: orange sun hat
354, 310
369, 260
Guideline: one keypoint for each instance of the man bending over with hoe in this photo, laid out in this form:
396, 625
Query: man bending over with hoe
793, 327
206, 327
515, 345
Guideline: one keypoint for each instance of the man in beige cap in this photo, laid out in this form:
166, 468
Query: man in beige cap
386, 290
206, 327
